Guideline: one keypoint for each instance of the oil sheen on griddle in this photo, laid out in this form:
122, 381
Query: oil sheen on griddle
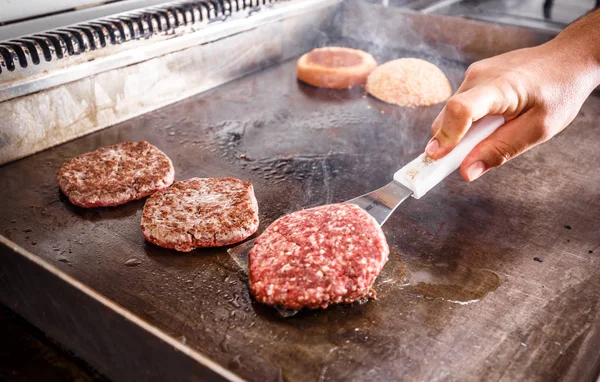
449, 281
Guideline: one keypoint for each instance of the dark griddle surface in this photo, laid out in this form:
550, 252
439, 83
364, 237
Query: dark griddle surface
306, 147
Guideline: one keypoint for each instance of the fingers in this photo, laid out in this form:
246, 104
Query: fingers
471, 80
437, 123
460, 112
509, 141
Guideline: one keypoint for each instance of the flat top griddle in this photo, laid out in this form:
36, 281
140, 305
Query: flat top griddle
301, 147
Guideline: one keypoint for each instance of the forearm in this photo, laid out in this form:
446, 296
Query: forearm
581, 41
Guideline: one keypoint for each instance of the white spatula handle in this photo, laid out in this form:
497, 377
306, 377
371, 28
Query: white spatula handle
423, 173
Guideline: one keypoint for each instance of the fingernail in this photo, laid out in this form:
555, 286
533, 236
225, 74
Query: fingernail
475, 170
432, 147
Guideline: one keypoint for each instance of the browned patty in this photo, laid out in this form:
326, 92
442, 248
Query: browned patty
201, 212
335, 67
316, 257
115, 175
409, 82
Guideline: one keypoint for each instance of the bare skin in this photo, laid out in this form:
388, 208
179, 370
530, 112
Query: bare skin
538, 90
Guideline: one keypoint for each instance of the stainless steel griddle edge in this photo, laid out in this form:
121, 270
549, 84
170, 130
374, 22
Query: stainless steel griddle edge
87, 322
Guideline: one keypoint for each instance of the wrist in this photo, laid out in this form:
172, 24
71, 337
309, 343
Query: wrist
579, 64
579, 45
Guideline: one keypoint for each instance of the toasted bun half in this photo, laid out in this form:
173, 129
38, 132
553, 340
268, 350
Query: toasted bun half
409, 82
335, 67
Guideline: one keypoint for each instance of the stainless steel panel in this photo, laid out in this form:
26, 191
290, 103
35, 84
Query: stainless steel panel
126, 81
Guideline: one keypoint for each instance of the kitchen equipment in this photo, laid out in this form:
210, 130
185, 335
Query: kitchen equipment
138, 312
416, 179
423, 173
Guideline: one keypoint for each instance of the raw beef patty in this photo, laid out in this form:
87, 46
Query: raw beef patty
115, 175
315, 257
201, 212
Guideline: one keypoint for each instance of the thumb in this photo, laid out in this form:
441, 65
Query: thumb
509, 141
461, 111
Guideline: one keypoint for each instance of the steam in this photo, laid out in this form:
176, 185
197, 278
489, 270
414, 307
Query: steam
389, 34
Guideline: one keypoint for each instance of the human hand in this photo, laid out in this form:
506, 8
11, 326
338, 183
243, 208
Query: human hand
539, 91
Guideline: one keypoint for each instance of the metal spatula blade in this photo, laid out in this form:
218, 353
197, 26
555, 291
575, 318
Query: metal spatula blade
382, 202
239, 253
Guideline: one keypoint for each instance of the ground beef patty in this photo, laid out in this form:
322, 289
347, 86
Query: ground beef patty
315, 257
114, 175
201, 212
409, 82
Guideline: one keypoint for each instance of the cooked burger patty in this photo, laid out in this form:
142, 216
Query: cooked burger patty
315, 257
201, 212
409, 82
115, 175
335, 68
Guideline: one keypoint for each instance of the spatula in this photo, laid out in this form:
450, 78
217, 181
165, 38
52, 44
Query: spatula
423, 173
416, 179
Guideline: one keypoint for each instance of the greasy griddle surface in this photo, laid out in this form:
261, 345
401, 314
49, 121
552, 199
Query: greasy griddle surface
303, 147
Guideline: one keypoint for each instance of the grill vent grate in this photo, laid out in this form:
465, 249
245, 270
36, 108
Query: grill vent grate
84, 37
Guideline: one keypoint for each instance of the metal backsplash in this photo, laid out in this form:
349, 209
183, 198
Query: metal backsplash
118, 68
38, 54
